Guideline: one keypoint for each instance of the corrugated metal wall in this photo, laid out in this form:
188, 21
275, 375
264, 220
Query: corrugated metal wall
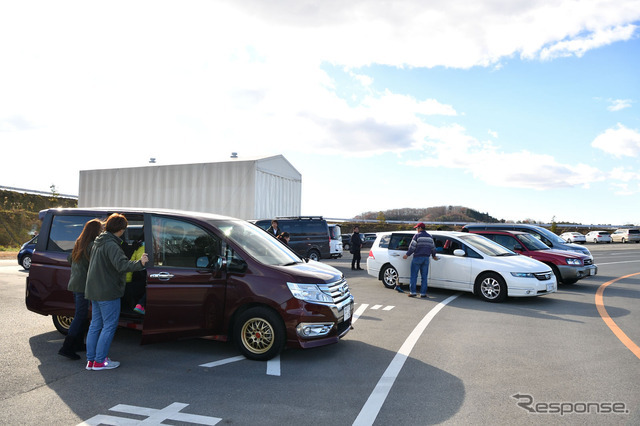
262, 188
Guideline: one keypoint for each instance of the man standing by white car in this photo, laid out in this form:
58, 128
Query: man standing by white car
421, 247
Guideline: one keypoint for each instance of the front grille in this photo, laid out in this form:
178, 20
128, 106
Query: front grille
338, 290
543, 276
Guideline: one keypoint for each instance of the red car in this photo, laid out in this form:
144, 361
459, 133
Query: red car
567, 266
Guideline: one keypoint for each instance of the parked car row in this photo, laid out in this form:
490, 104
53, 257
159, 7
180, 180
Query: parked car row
466, 262
622, 235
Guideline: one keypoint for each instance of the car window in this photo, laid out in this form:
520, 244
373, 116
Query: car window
447, 245
65, 230
400, 242
634, 231
531, 242
384, 241
507, 241
179, 244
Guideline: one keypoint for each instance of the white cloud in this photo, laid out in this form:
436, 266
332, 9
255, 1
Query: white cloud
619, 104
619, 141
578, 46
453, 148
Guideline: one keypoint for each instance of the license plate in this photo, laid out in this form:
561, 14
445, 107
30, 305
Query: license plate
347, 312
549, 287
592, 271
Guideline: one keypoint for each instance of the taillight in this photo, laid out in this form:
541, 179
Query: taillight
371, 254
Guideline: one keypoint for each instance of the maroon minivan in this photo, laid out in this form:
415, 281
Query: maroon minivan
207, 275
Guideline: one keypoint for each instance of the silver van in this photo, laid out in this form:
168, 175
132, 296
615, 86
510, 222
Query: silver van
543, 234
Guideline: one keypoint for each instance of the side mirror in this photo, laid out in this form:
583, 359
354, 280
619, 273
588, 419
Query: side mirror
202, 262
459, 252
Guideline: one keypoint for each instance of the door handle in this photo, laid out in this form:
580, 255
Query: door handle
162, 276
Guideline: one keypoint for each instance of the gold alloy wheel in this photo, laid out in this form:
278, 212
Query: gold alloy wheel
257, 335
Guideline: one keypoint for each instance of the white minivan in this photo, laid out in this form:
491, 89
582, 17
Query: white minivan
467, 262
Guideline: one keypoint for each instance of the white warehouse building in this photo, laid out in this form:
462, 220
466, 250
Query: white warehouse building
259, 188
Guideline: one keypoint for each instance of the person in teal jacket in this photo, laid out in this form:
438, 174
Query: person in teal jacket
106, 281
79, 259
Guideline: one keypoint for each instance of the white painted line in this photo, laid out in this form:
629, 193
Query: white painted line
615, 263
223, 361
359, 312
154, 417
273, 366
388, 308
373, 405
376, 307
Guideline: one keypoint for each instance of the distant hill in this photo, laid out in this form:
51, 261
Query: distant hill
431, 214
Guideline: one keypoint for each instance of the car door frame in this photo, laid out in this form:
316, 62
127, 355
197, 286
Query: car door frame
182, 301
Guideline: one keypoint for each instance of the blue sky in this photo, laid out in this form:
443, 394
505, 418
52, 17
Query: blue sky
520, 109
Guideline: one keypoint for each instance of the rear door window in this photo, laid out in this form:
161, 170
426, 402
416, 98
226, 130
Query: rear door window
65, 230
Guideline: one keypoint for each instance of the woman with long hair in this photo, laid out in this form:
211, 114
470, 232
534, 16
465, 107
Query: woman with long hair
79, 259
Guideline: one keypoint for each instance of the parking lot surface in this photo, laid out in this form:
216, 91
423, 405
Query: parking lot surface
565, 358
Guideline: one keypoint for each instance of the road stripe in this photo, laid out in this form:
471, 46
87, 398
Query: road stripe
359, 312
610, 323
374, 403
616, 263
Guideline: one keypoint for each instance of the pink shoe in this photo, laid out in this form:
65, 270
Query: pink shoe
89, 365
139, 309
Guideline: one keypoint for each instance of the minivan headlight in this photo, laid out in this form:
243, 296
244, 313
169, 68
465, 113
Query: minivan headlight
309, 293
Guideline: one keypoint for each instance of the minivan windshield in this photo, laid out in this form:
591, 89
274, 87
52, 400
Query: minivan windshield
531, 242
486, 246
260, 245
549, 235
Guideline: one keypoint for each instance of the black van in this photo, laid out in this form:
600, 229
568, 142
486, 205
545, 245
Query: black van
310, 236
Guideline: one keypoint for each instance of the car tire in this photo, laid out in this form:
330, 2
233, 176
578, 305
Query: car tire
62, 323
389, 276
622, 241
26, 262
556, 272
314, 255
346, 247
491, 287
259, 333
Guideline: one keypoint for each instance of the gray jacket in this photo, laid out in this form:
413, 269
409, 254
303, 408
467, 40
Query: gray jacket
107, 269
79, 270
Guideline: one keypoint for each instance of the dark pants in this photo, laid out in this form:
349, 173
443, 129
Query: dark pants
75, 336
78, 325
355, 262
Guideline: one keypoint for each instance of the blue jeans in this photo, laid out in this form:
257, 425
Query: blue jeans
82, 312
104, 321
419, 264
